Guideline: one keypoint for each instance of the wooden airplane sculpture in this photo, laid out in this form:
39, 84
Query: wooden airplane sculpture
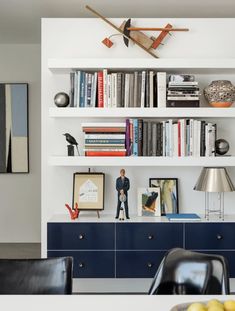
134, 34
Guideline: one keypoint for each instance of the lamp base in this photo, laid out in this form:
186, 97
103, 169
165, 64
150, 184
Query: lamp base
212, 207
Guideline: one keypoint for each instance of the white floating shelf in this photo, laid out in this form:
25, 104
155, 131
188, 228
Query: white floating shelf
140, 63
141, 161
142, 112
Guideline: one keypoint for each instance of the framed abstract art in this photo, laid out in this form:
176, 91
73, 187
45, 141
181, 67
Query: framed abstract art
169, 194
14, 144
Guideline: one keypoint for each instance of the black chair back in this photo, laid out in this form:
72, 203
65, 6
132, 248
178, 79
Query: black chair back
183, 272
36, 276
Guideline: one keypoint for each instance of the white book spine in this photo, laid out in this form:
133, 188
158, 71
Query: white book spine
105, 87
207, 140
170, 138
75, 88
94, 90
151, 89
77, 103
109, 91
127, 90
161, 89
175, 140
191, 128
104, 136
195, 138
86, 82
143, 82
182, 137
167, 138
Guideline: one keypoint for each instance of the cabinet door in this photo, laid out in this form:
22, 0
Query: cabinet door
210, 236
62, 236
89, 264
149, 236
137, 264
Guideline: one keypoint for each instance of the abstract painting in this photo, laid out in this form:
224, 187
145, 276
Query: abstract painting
169, 194
14, 157
149, 202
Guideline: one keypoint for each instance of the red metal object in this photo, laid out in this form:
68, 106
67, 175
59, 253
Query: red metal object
107, 42
162, 35
73, 212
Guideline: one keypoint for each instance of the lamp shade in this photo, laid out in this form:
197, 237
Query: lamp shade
214, 179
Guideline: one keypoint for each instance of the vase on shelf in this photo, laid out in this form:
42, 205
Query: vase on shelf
220, 93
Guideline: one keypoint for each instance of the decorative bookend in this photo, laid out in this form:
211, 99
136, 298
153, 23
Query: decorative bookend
73, 212
70, 150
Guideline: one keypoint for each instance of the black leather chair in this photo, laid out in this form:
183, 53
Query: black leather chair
36, 276
183, 272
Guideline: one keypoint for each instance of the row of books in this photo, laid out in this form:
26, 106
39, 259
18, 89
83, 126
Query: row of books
138, 137
104, 139
171, 138
129, 89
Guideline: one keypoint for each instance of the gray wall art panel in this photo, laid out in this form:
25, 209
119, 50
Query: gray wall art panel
14, 128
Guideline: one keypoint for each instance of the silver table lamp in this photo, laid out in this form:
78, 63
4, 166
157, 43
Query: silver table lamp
214, 180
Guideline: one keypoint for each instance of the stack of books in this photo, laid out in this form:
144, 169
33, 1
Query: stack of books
104, 139
170, 138
183, 91
106, 89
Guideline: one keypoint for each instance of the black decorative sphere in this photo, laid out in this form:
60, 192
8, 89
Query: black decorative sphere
221, 146
61, 99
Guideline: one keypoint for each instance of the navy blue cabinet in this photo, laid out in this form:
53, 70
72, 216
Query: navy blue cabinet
135, 250
210, 236
138, 264
80, 236
90, 264
149, 236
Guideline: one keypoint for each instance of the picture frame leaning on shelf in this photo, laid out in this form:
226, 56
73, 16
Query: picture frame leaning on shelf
88, 191
169, 194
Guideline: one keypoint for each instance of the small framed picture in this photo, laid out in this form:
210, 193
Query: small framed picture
88, 191
169, 194
149, 201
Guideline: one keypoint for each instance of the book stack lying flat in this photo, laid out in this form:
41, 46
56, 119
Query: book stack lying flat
183, 217
183, 91
104, 139
170, 138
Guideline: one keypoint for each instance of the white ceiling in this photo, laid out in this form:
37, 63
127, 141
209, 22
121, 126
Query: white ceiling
20, 19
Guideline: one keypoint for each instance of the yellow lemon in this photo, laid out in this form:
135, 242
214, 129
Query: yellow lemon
216, 308
215, 302
229, 305
197, 307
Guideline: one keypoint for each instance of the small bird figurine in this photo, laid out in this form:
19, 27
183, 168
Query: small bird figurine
71, 140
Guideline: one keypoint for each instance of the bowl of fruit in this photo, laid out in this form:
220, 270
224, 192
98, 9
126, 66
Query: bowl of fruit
212, 305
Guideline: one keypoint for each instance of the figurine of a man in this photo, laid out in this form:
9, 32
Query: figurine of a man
122, 186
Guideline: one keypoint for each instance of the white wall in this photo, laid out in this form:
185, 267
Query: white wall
20, 193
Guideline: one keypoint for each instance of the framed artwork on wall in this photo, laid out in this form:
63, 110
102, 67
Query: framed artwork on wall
149, 201
14, 141
169, 194
88, 191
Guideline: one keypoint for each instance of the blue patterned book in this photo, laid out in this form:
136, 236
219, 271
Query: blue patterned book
183, 217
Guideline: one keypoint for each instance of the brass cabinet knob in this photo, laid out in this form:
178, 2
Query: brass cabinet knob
81, 265
149, 264
150, 237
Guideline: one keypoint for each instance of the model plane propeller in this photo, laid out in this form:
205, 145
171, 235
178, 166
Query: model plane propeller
135, 34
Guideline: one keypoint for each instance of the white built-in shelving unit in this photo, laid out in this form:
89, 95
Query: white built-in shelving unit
196, 52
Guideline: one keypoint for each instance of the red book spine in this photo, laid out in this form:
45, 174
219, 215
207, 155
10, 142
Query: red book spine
179, 140
104, 129
100, 89
105, 153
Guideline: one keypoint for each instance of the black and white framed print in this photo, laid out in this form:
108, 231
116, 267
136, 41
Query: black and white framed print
14, 154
